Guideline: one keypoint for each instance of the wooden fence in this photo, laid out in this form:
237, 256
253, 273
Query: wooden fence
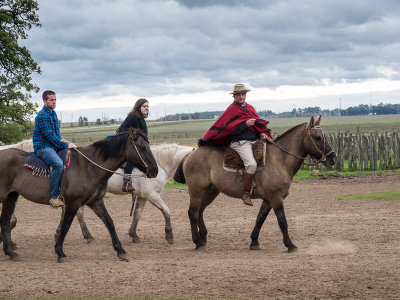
358, 151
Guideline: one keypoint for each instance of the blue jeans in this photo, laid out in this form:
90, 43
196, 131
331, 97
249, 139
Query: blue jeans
50, 156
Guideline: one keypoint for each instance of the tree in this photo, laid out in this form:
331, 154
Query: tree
16, 68
80, 121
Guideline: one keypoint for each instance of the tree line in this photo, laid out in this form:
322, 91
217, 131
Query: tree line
360, 110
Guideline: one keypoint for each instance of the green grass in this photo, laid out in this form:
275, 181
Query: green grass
390, 195
188, 132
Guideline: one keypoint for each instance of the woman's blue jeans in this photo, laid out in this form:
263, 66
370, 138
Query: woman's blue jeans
50, 156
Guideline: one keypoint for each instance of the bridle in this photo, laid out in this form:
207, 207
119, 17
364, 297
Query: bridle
132, 135
308, 134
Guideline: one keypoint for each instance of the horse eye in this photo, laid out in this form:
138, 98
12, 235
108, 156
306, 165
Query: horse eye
318, 138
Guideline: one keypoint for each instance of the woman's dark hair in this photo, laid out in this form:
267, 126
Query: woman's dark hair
137, 106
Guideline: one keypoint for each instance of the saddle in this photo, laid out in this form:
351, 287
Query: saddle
40, 168
232, 159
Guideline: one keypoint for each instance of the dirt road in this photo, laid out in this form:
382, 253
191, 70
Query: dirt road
347, 249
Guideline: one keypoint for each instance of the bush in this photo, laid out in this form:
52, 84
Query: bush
12, 133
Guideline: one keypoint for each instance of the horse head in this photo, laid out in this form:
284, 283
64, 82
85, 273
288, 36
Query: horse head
317, 145
142, 153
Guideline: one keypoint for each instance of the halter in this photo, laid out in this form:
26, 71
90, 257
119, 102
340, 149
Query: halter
308, 134
131, 135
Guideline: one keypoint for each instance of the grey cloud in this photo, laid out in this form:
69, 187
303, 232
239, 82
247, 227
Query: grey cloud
147, 45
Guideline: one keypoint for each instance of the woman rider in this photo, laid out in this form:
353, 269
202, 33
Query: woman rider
136, 119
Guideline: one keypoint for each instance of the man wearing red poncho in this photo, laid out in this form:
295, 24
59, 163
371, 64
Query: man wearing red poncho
239, 127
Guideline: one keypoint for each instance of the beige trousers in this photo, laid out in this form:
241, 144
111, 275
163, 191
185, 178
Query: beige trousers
245, 151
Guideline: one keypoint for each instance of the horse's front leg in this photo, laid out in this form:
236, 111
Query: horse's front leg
101, 211
140, 203
156, 200
66, 222
280, 215
5, 224
262, 215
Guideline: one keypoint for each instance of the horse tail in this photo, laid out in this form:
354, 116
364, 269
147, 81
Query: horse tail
179, 176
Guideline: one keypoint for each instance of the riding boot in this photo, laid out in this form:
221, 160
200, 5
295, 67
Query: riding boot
56, 202
127, 186
246, 197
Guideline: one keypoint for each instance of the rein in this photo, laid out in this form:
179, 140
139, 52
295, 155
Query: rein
323, 155
115, 172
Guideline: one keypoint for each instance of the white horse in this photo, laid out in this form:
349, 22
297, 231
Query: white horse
168, 157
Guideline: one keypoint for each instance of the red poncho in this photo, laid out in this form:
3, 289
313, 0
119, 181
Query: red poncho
219, 133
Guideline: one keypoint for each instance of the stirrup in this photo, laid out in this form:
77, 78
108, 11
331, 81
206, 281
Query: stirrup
127, 187
56, 202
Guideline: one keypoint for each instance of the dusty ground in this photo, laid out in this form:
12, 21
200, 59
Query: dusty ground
347, 249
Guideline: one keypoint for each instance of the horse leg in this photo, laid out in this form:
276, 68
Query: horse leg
156, 200
6, 214
101, 211
13, 223
85, 231
140, 203
193, 212
66, 222
80, 215
208, 198
262, 215
280, 215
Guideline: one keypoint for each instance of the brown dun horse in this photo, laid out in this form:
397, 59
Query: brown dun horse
205, 177
84, 182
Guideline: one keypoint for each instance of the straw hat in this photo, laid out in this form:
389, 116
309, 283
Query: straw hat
239, 88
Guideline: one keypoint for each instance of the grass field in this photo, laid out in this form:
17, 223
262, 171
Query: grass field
188, 132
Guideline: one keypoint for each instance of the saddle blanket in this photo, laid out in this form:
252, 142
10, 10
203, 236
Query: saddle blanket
40, 167
232, 160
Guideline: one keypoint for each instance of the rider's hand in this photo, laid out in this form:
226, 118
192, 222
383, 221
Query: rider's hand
250, 122
71, 145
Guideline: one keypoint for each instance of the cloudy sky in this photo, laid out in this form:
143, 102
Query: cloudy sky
185, 56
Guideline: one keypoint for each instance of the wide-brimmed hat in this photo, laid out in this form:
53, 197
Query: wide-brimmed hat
239, 88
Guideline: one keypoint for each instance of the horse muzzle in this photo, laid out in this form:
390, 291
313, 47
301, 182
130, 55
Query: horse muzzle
329, 160
152, 172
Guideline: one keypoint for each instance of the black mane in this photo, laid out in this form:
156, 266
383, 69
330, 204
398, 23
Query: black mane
288, 131
112, 146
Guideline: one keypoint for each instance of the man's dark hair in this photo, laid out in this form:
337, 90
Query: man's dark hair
47, 93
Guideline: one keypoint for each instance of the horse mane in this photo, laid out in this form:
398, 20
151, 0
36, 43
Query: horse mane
165, 153
112, 146
289, 131
25, 145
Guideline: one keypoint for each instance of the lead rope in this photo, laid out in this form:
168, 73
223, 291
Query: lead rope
115, 172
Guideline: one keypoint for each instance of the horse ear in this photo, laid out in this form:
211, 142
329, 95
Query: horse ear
318, 121
311, 124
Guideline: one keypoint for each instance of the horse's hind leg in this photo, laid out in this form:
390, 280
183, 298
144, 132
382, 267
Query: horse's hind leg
140, 203
280, 215
262, 215
80, 215
208, 198
156, 200
101, 211
85, 231
6, 214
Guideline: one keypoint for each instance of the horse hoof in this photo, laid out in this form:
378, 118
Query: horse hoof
62, 259
15, 258
292, 249
170, 239
122, 257
255, 247
89, 239
201, 248
136, 239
